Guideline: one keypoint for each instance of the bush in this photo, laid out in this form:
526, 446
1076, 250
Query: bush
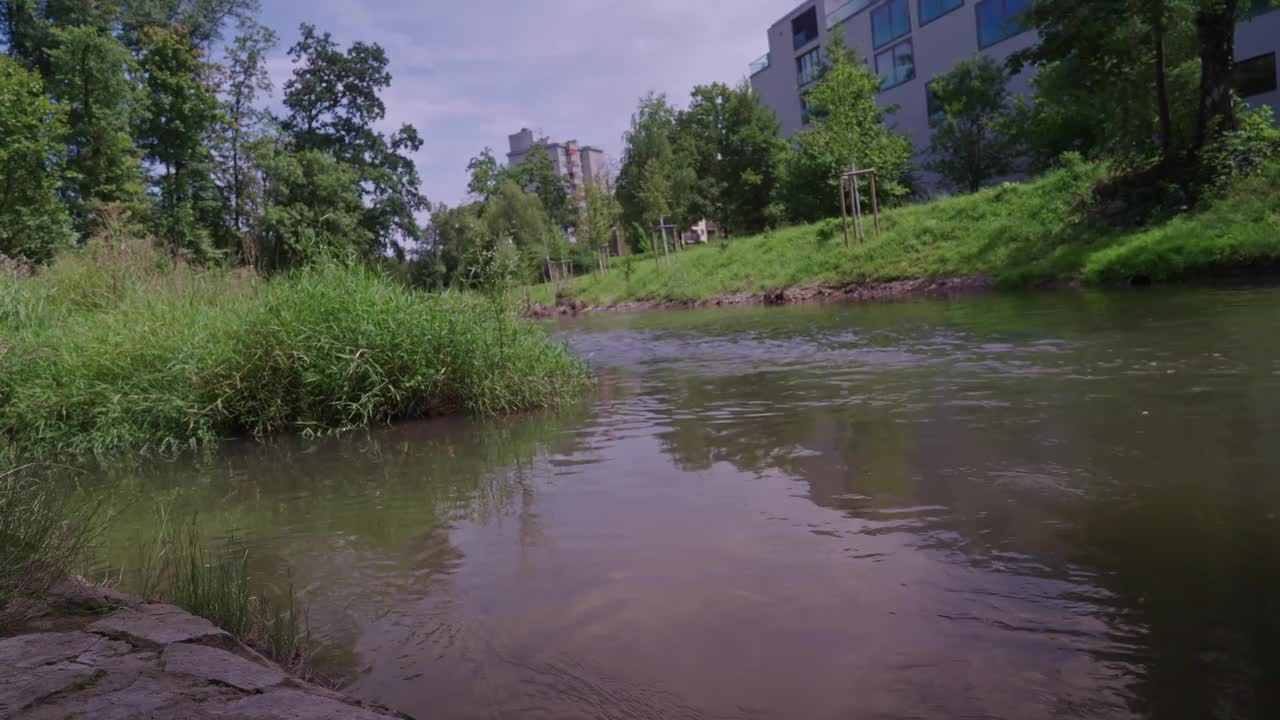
1243, 151
109, 352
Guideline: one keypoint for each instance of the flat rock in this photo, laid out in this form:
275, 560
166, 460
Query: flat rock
20, 690
288, 704
156, 625
31, 651
214, 665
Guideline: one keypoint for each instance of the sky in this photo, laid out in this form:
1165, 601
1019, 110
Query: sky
468, 73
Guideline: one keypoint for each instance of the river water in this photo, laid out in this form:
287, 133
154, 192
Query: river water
1054, 506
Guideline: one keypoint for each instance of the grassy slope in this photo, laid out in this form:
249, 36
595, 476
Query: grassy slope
1020, 234
109, 351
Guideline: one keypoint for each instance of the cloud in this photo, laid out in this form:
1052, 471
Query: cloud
468, 74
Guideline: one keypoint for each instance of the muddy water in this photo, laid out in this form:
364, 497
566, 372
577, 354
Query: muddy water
1060, 506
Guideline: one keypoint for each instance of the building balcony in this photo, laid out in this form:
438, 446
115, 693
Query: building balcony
760, 64
846, 11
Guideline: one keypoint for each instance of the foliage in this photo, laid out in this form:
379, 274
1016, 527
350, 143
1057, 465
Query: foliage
516, 217
732, 142
653, 182
312, 211
33, 222
93, 78
181, 112
535, 173
848, 129
116, 349
1244, 151
42, 536
334, 106
971, 140
242, 124
602, 215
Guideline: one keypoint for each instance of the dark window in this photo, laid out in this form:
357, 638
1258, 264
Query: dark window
890, 22
931, 10
1000, 19
1256, 75
808, 66
804, 28
896, 65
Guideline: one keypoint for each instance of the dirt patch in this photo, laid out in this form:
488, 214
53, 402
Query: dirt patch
855, 292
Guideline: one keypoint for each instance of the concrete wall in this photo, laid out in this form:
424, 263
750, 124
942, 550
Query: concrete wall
778, 85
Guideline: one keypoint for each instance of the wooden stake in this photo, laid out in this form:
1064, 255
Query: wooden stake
844, 213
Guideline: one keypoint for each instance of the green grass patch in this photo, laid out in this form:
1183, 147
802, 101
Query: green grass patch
1020, 234
119, 349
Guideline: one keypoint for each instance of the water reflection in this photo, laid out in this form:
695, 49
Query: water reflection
1042, 507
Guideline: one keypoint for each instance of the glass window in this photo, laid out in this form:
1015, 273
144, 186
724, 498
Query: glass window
808, 66
1256, 75
1000, 19
890, 22
896, 65
931, 10
804, 28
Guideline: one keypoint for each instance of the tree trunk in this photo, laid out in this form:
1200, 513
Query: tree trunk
1216, 38
1162, 99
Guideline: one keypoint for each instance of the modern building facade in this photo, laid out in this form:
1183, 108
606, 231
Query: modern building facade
576, 164
909, 42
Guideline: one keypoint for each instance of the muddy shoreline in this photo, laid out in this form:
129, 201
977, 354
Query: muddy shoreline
920, 288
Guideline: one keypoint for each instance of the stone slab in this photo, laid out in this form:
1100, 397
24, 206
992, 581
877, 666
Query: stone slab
31, 651
214, 665
156, 625
289, 704
20, 690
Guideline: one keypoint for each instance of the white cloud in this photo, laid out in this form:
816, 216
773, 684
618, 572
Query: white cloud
468, 74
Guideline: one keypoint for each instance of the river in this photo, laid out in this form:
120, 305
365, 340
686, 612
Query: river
1063, 505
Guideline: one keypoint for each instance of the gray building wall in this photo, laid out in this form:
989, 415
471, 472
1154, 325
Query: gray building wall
937, 46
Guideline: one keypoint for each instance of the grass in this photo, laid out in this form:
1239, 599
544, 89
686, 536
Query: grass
116, 348
42, 536
180, 569
1020, 234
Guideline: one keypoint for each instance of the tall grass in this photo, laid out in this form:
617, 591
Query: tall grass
42, 536
118, 349
1020, 234
181, 569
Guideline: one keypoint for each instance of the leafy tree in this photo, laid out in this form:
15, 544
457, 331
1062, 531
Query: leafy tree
243, 123
517, 216
454, 238
537, 173
732, 141
334, 104
485, 172
33, 222
313, 210
92, 78
181, 112
201, 20
601, 215
971, 139
654, 182
848, 128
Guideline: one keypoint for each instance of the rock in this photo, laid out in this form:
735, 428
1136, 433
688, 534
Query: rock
214, 665
289, 704
20, 690
32, 651
76, 595
157, 625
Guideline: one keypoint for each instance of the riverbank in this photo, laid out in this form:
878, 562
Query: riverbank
115, 348
1053, 231
88, 652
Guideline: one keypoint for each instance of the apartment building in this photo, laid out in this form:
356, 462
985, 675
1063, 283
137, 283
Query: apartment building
908, 42
577, 164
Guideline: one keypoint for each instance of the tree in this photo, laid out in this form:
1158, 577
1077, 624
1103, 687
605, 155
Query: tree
536, 173
516, 216
334, 105
848, 128
455, 237
971, 142
174, 134
654, 182
92, 78
33, 222
201, 20
732, 141
601, 215
243, 77
485, 172
313, 209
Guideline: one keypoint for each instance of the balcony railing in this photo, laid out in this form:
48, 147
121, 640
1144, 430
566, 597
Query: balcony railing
846, 11
760, 65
